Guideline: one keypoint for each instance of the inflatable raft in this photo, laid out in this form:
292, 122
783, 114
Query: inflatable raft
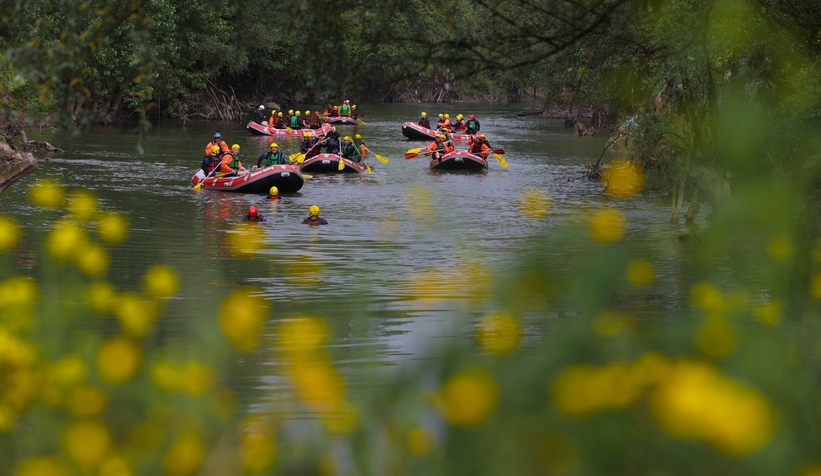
329, 163
265, 130
341, 121
412, 130
459, 160
284, 177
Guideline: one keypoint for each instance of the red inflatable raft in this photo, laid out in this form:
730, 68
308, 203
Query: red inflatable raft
329, 163
284, 177
412, 130
264, 130
459, 160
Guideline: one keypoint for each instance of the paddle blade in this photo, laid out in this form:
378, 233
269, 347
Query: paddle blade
381, 158
293, 156
307, 176
300, 158
341, 164
501, 160
411, 153
369, 168
198, 186
499, 151
361, 122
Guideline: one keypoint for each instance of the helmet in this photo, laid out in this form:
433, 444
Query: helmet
483, 136
459, 116
441, 116
346, 102
274, 191
307, 113
274, 144
316, 113
261, 107
347, 138
472, 116
332, 129
357, 137
297, 113
217, 135
477, 137
447, 116
313, 211
424, 114
279, 114
235, 146
290, 111
215, 149
353, 107
252, 212
441, 136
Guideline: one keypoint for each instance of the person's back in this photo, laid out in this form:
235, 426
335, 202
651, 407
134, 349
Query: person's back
332, 144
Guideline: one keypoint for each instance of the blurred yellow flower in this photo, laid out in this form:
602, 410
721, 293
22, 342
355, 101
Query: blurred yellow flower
771, 312
420, 442
624, 178
112, 228
119, 359
780, 248
641, 272
534, 203
66, 239
184, 457
649, 369
430, 286
582, 390
19, 292
695, 401
246, 238
166, 376
499, 333
343, 420
101, 295
197, 378
716, 337
115, 466
258, 452
469, 398
303, 335
318, 385
611, 324
9, 233
46, 193
82, 204
608, 224
87, 443
69, 370
242, 316
474, 281
161, 281
135, 313
815, 286
86, 402
42, 466
8, 418
14, 351
92, 259
708, 298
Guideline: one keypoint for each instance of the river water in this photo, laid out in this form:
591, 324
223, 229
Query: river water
388, 231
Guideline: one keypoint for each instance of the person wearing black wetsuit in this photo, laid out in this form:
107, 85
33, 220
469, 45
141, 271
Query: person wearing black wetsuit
313, 217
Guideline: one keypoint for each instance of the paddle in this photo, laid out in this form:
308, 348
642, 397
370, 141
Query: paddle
501, 160
199, 185
411, 153
361, 122
341, 164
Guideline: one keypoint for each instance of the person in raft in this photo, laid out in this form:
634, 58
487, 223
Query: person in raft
230, 164
424, 121
310, 145
460, 125
349, 150
313, 217
217, 141
253, 215
472, 125
345, 108
211, 161
437, 147
478, 146
272, 157
258, 114
273, 194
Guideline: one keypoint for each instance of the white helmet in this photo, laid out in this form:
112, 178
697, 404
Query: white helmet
261, 107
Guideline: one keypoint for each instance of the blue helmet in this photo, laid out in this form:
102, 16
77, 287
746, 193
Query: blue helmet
217, 135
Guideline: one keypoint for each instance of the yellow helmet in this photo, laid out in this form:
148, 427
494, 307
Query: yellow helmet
235, 146
347, 138
290, 111
441, 136
215, 149
274, 144
313, 211
297, 113
357, 137
353, 107
279, 114
441, 116
483, 136
273, 191
447, 116
459, 116
424, 114
307, 113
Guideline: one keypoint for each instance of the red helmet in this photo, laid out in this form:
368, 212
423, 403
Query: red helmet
472, 116
252, 212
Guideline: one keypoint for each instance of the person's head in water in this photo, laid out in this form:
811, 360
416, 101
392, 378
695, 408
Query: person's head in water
273, 193
313, 217
313, 211
252, 212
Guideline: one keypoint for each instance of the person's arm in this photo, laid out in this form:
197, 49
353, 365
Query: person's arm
224, 167
260, 159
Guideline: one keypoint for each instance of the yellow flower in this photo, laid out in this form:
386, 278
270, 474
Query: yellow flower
87, 402
534, 204
317, 384
8, 418
115, 466
612, 324
469, 398
166, 376
649, 369
70, 370
695, 401
197, 378
42, 466
87, 443
303, 335
161, 281
343, 420
770, 313
82, 204
499, 333
65, 240
641, 272
46, 193
184, 457
135, 313
607, 225
780, 248
258, 452
242, 316
14, 351
101, 295
112, 228
429, 286
18, 292
582, 390
815, 287
708, 298
716, 337
92, 259
420, 201
420, 442
9, 233
246, 238
119, 360
624, 178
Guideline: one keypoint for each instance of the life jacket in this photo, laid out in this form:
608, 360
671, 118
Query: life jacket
294, 122
349, 151
274, 159
472, 124
314, 221
424, 122
234, 164
345, 110
461, 125
209, 163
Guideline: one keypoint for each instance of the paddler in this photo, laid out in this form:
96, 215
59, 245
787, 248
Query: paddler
272, 157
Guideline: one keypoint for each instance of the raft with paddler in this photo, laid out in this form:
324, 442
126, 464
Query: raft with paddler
444, 156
